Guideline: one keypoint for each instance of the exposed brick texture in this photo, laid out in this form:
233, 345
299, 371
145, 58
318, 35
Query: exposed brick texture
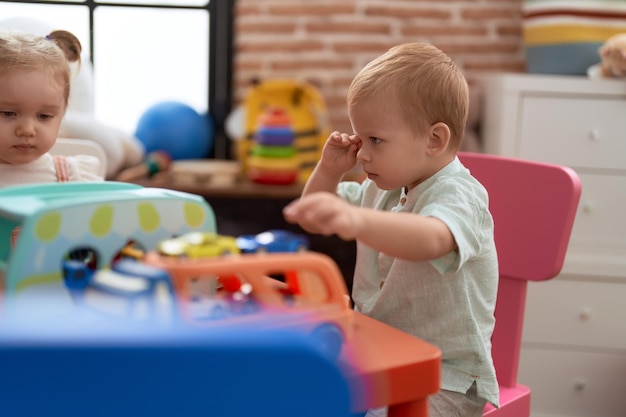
326, 42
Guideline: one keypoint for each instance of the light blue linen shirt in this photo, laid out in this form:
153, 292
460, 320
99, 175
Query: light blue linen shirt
448, 302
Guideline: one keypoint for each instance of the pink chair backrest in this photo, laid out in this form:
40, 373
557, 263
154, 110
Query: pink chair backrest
533, 205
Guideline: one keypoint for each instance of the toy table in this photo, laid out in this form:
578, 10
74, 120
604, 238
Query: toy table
385, 362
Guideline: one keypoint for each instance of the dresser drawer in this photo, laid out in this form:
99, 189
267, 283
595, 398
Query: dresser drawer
574, 384
576, 313
577, 131
600, 218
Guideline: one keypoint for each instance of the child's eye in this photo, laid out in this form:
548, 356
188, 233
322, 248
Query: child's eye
375, 141
8, 113
45, 116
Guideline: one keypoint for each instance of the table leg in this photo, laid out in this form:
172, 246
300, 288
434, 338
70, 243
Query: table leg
417, 408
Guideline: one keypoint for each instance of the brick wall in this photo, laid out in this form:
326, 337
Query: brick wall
326, 42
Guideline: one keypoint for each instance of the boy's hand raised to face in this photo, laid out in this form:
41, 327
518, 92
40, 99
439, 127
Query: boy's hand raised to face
339, 153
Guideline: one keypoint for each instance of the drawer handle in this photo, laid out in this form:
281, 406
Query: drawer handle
585, 314
594, 135
580, 384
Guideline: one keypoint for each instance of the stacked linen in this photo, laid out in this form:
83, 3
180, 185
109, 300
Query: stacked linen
563, 37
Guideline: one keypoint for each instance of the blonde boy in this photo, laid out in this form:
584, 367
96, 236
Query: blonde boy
426, 259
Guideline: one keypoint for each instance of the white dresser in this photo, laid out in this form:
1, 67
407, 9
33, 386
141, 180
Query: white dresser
574, 343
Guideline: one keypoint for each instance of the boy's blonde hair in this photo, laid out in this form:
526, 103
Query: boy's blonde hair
423, 81
53, 53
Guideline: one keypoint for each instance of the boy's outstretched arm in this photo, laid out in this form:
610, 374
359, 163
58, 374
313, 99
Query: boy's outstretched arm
403, 235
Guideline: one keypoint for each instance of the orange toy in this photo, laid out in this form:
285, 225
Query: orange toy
309, 295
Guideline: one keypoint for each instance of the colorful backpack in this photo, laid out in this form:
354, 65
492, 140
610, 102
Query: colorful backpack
304, 106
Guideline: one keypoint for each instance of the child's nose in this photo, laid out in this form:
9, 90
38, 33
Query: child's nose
25, 128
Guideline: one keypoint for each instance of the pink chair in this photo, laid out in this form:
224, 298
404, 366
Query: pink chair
533, 205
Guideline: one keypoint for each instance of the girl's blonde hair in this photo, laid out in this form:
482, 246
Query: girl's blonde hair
425, 84
53, 53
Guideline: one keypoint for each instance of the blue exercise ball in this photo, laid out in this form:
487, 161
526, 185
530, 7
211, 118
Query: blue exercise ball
177, 129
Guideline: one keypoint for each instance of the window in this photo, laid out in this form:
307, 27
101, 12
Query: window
147, 51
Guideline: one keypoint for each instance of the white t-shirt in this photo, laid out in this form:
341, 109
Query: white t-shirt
42, 170
448, 302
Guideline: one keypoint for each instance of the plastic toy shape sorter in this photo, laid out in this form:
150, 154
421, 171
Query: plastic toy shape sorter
90, 222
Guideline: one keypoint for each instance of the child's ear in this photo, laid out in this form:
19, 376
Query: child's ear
438, 138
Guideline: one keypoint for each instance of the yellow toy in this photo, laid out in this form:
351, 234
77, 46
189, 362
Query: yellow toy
306, 108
